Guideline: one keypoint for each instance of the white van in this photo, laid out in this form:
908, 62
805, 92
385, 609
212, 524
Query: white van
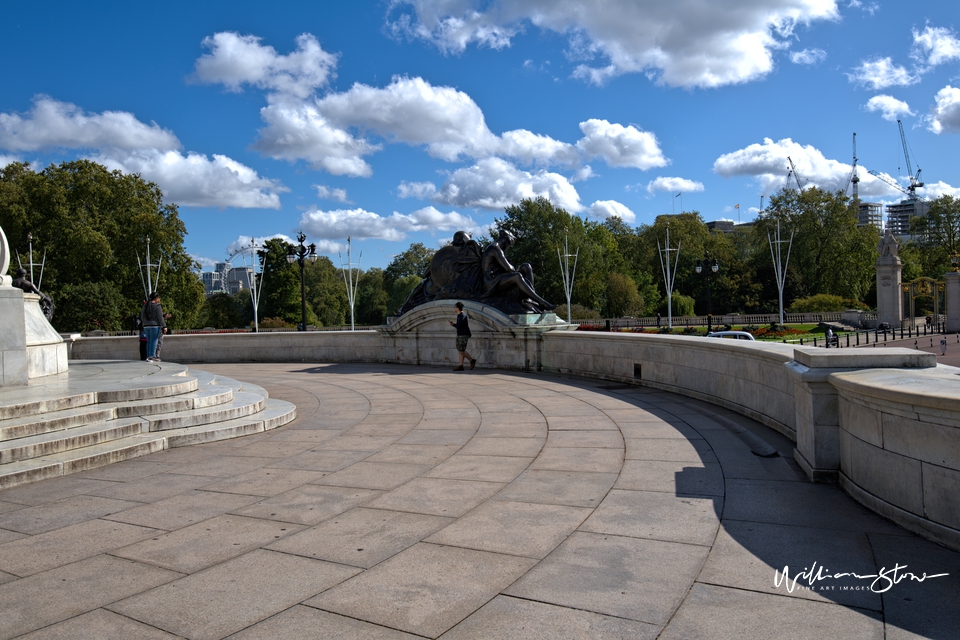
732, 335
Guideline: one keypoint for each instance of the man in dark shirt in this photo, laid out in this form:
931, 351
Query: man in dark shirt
463, 335
151, 317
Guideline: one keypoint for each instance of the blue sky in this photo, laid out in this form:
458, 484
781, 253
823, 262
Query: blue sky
401, 121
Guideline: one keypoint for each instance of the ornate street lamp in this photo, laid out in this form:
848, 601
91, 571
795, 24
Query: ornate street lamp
706, 267
300, 254
954, 261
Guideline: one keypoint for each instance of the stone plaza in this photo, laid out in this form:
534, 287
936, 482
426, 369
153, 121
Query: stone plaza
410, 501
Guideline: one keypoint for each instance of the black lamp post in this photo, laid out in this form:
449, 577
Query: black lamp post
706, 267
300, 254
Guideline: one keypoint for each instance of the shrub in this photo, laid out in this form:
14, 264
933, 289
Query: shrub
577, 312
274, 323
824, 303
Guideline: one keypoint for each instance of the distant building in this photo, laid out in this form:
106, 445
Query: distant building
238, 279
724, 226
211, 282
899, 215
870, 213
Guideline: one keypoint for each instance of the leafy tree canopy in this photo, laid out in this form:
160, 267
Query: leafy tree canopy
92, 224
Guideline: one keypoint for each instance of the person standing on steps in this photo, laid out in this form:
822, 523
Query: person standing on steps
463, 335
151, 317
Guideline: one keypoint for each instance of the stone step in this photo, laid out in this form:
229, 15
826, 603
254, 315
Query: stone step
275, 414
17, 473
242, 405
203, 397
33, 425
64, 440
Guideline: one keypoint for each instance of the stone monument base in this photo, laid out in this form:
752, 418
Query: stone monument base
424, 336
29, 346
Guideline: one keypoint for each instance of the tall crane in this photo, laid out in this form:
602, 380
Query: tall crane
915, 181
796, 175
852, 177
908, 191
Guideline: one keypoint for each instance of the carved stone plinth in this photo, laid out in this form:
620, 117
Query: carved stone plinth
953, 301
889, 297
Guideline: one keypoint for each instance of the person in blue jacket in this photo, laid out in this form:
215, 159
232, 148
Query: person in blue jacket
463, 335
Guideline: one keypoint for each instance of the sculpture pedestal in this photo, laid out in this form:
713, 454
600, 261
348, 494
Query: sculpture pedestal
889, 297
953, 301
29, 346
423, 335
13, 338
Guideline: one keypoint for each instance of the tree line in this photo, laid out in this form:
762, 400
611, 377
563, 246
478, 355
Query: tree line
92, 222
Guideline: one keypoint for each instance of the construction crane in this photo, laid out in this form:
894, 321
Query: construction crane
910, 192
796, 175
915, 181
853, 178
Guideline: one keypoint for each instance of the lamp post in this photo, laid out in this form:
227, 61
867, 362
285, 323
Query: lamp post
300, 254
954, 261
706, 267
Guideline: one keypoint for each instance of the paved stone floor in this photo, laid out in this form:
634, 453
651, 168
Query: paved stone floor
417, 502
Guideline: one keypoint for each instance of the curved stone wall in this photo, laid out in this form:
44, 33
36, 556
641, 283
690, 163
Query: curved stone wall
883, 422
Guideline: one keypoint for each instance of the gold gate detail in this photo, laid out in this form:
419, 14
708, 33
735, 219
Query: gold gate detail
924, 288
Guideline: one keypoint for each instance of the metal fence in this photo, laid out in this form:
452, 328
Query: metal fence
731, 319
181, 332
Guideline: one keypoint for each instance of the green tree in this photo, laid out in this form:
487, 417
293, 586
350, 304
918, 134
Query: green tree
400, 290
938, 235
540, 229
88, 306
280, 293
220, 311
327, 293
413, 262
623, 299
830, 253
372, 298
93, 224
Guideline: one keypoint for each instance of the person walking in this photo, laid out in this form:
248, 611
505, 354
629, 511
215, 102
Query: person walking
151, 317
463, 335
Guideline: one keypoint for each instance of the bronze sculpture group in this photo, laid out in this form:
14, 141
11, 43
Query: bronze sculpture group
46, 302
463, 271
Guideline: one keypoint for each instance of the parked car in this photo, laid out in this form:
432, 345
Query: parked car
732, 335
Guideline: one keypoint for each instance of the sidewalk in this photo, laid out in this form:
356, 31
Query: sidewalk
410, 502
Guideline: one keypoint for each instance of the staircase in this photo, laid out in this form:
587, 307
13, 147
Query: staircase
101, 412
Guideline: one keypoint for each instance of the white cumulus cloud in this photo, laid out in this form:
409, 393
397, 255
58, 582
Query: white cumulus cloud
5, 160
413, 111
494, 183
604, 209
889, 107
298, 131
361, 224
51, 124
936, 45
532, 148
674, 185
881, 73
235, 60
328, 193
808, 56
685, 43
768, 164
420, 190
196, 180
946, 114
620, 146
